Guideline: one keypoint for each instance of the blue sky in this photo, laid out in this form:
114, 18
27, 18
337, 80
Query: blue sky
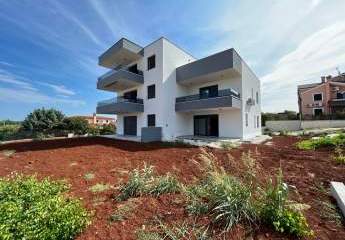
49, 48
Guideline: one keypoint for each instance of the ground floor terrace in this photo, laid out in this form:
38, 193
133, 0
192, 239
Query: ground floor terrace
109, 162
224, 123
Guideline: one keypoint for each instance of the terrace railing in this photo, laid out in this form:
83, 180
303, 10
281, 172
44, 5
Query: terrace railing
120, 100
219, 93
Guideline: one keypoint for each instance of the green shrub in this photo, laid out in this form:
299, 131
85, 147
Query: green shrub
77, 125
325, 141
32, 209
144, 181
8, 132
43, 120
108, 129
275, 212
93, 130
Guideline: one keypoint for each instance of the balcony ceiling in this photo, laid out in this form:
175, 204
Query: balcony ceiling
221, 65
119, 80
121, 53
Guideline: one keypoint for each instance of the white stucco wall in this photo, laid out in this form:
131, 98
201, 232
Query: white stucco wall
250, 85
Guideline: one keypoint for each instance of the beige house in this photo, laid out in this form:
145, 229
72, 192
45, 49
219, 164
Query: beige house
99, 120
324, 98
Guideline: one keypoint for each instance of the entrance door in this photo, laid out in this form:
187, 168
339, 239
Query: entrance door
130, 125
206, 125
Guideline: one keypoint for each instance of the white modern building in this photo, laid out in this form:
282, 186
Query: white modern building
164, 93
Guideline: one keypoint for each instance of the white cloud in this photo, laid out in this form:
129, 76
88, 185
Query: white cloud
11, 95
9, 78
59, 89
6, 64
317, 55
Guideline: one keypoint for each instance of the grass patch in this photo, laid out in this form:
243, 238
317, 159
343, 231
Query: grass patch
144, 181
324, 141
99, 187
339, 156
89, 176
123, 211
33, 209
227, 145
330, 212
175, 231
8, 153
230, 200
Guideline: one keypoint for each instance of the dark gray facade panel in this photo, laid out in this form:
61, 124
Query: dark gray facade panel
151, 134
218, 62
119, 75
218, 102
122, 107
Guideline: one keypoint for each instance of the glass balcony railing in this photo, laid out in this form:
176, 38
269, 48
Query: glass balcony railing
219, 93
120, 100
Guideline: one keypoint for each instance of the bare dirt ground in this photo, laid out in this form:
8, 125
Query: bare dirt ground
109, 161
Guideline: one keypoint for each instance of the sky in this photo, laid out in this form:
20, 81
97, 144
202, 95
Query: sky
49, 48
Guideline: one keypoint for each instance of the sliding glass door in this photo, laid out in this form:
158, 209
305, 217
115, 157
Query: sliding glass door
206, 125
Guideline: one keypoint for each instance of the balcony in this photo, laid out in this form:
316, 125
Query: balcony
118, 80
226, 98
221, 65
120, 105
123, 52
337, 102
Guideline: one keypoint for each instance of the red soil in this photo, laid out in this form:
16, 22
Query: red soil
111, 160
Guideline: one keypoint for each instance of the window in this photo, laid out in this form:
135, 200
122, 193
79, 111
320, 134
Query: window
257, 121
151, 120
257, 97
151, 62
318, 111
254, 121
151, 91
246, 119
317, 97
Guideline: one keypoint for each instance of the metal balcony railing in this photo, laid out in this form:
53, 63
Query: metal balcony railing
120, 100
219, 93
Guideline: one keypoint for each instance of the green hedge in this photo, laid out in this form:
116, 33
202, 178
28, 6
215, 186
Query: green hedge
33, 209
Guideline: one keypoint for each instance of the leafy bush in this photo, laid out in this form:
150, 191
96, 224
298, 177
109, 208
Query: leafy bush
93, 130
326, 141
108, 129
32, 209
275, 212
8, 132
77, 125
144, 181
42, 120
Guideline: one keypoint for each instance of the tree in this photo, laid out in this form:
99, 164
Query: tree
77, 125
43, 120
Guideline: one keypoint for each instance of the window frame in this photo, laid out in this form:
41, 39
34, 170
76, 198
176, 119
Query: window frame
154, 91
149, 67
317, 94
149, 120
